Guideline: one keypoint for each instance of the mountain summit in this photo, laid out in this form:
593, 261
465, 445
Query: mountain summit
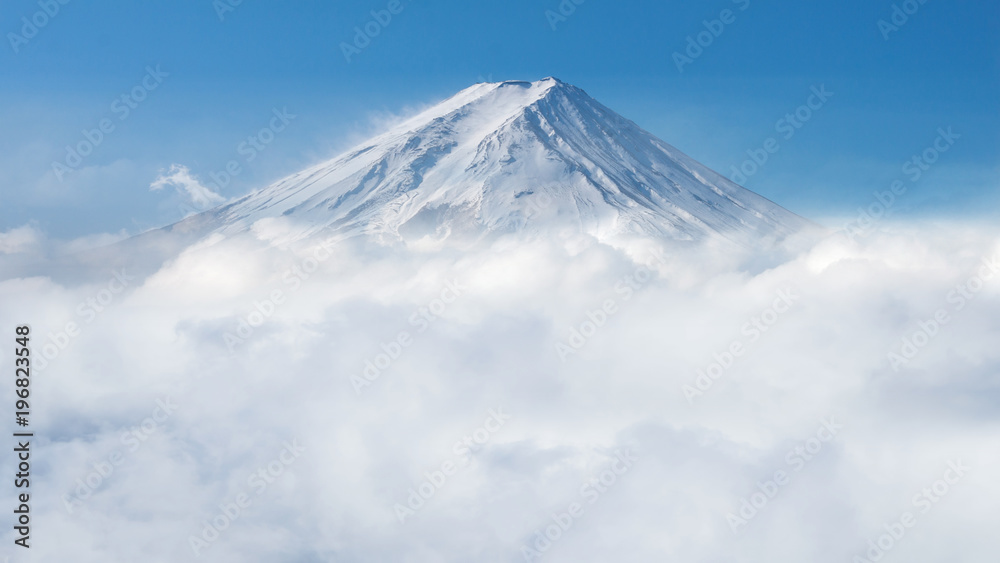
513, 157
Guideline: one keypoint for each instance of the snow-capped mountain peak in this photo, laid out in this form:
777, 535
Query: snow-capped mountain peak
514, 156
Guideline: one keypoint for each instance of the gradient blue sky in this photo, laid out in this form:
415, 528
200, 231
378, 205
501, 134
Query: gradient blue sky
940, 69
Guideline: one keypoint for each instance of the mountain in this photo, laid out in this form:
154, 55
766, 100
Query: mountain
528, 157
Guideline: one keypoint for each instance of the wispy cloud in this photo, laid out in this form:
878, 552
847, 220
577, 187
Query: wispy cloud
187, 185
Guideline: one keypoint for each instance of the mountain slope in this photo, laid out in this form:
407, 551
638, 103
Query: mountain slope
514, 156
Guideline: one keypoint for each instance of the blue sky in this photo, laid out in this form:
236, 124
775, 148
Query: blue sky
892, 90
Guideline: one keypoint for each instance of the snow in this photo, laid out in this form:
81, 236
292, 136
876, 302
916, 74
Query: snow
527, 157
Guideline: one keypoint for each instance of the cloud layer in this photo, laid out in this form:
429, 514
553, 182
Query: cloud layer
543, 401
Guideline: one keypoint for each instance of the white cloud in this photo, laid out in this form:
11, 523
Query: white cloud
494, 346
20, 239
187, 185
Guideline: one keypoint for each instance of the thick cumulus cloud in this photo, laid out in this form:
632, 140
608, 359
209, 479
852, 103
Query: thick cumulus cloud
340, 401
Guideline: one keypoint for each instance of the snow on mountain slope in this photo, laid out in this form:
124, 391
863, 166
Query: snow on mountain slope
513, 156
